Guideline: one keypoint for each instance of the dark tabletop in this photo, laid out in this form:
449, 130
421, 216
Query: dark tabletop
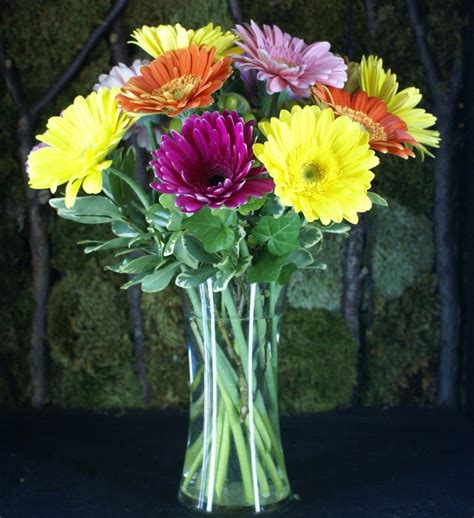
370, 463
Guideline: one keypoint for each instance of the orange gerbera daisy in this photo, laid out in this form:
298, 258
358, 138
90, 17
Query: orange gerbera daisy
177, 80
387, 132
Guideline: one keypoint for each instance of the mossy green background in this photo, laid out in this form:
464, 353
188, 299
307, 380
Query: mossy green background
90, 348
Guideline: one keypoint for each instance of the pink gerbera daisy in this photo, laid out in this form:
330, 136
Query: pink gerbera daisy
288, 63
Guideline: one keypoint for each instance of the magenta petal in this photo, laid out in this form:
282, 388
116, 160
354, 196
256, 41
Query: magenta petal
210, 163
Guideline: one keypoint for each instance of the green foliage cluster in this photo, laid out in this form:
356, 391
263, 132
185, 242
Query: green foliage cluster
90, 346
401, 249
317, 361
167, 355
402, 347
320, 289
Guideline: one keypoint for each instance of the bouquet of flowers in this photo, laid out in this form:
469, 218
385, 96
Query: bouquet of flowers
260, 145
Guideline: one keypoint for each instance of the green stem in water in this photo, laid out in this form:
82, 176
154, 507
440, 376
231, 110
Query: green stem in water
134, 186
223, 457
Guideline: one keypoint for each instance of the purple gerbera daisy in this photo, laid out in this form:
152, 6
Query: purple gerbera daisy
210, 163
288, 63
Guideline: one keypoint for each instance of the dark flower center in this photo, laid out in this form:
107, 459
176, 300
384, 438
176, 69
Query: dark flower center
216, 172
216, 179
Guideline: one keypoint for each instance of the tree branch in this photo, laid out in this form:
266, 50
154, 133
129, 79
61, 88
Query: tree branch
371, 17
12, 81
426, 56
76, 65
235, 10
445, 215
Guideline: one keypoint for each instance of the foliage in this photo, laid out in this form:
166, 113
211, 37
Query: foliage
401, 249
319, 289
90, 347
317, 361
167, 355
402, 347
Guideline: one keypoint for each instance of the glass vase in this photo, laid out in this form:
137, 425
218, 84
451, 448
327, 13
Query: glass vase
234, 460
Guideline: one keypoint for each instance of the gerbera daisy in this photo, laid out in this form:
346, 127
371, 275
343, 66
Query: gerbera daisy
118, 77
377, 82
163, 38
287, 63
320, 164
178, 80
387, 132
77, 145
211, 163
120, 74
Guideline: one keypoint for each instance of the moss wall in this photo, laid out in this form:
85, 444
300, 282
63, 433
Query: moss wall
89, 344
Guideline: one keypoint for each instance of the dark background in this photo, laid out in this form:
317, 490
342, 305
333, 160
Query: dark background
399, 334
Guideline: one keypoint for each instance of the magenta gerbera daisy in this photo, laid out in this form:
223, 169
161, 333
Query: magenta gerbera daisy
211, 163
288, 63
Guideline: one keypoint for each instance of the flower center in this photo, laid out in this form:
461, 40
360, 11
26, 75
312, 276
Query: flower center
213, 174
215, 179
374, 129
312, 172
178, 87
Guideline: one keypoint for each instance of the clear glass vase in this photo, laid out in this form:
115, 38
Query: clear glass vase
234, 460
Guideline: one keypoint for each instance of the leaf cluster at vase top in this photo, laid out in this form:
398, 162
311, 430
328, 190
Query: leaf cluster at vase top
258, 140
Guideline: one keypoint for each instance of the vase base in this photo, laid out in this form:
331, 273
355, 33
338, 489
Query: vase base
228, 510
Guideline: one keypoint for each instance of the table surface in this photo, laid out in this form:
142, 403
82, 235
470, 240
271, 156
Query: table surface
365, 463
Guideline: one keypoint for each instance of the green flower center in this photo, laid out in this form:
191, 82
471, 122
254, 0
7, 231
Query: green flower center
312, 172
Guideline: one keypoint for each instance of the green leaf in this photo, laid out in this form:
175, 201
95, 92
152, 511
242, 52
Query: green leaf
181, 253
157, 215
171, 243
160, 279
211, 229
301, 257
280, 235
243, 265
136, 279
168, 201
228, 216
193, 278
115, 186
336, 228
196, 251
266, 267
175, 223
222, 280
286, 272
376, 199
310, 236
141, 264
88, 209
272, 207
122, 229
118, 242
252, 205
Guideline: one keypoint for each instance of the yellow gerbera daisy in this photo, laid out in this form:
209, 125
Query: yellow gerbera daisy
320, 165
158, 40
377, 82
77, 144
